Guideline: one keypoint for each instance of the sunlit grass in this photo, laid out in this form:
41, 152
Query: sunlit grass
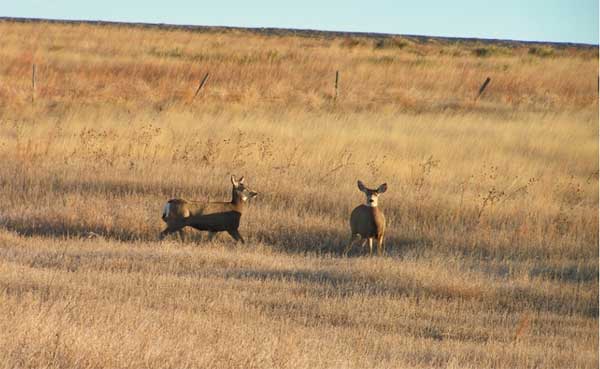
492, 204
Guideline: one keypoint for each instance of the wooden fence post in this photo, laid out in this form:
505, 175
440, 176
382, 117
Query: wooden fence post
32, 84
483, 86
337, 78
202, 83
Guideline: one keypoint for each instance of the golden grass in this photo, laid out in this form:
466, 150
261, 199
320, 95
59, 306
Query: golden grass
134, 67
492, 204
70, 303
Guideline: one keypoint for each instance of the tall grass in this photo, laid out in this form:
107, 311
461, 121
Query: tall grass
492, 204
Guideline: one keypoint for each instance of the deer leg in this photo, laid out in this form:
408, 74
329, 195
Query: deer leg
236, 235
181, 235
353, 238
172, 228
370, 246
211, 236
168, 231
364, 242
380, 246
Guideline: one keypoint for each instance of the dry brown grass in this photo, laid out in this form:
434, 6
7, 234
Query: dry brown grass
492, 204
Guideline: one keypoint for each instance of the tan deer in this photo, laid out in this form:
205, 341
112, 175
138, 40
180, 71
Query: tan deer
213, 217
367, 221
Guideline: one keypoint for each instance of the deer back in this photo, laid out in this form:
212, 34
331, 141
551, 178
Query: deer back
216, 217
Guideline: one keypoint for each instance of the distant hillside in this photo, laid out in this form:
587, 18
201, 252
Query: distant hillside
307, 32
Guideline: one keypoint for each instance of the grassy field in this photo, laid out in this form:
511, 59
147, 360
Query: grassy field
492, 203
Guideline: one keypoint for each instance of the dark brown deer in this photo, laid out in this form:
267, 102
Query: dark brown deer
367, 221
213, 217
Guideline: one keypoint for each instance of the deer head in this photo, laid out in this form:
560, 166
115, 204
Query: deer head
241, 192
371, 194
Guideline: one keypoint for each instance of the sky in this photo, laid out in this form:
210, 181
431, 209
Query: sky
530, 20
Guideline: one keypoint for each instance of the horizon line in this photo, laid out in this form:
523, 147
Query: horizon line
293, 31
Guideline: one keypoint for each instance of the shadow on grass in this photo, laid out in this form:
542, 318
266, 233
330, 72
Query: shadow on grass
313, 241
60, 229
333, 242
510, 300
573, 273
319, 282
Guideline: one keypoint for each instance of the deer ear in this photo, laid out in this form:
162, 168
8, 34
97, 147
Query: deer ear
361, 186
382, 188
233, 181
241, 181
253, 194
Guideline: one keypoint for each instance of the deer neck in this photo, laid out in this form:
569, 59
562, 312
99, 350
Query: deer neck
236, 202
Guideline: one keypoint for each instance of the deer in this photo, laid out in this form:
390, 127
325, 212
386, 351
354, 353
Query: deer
367, 221
213, 217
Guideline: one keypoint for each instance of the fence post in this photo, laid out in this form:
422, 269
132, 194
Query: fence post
32, 84
202, 83
337, 78
483, 86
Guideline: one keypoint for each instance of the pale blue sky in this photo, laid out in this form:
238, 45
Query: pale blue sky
534, 20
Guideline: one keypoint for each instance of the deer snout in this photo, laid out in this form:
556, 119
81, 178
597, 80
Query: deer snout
248, 195
372, 200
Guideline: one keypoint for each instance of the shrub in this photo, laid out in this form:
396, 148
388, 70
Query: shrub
390, 43
541, 51
482, 52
